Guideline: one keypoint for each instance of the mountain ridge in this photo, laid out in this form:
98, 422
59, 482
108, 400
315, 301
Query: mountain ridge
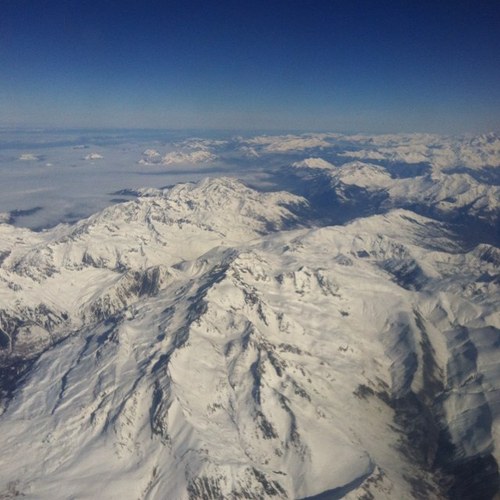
248, 367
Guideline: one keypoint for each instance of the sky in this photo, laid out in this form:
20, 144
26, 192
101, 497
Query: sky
347, 66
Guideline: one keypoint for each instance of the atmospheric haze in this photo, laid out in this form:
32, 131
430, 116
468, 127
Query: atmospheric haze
249, 250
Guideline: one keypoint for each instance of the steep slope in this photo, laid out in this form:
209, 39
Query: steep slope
358, 188
51, 281
186, 220
472, 152
351, 359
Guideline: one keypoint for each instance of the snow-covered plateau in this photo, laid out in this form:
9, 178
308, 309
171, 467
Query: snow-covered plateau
339, 338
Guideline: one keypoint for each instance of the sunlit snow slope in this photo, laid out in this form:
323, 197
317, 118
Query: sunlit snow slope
201, 342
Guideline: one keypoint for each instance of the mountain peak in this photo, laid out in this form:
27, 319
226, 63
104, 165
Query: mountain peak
363, 175
314, 163
204, 341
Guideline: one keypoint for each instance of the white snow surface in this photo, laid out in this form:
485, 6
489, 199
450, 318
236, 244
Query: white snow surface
313, 163
286, 143
444, 192
441, 152
54, 184
364, 175
195, 347
196, 156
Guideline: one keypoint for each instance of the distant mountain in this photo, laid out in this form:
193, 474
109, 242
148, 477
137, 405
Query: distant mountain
358, 188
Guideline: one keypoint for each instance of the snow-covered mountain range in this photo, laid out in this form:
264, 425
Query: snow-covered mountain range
360, 188
209, 340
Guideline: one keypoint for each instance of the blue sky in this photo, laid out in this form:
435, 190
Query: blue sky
372, 66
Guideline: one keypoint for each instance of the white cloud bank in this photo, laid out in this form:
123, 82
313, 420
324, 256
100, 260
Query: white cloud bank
93, 156
29, 157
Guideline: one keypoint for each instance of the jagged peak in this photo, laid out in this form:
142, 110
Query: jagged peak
150, 229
